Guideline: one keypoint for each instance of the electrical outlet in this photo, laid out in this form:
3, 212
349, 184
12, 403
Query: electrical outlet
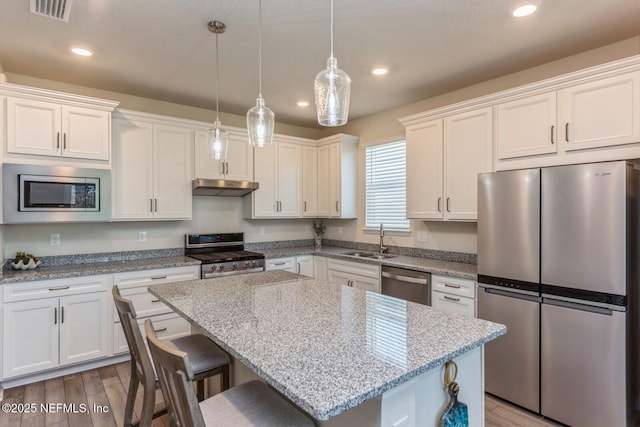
262, 231
422, 236
54, 240
142, 236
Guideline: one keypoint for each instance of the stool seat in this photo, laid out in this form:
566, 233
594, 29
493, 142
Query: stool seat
204, 354
251, 404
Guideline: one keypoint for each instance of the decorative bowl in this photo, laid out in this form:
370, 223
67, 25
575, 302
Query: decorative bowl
20, 265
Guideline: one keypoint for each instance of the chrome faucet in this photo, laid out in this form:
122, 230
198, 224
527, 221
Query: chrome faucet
382, 248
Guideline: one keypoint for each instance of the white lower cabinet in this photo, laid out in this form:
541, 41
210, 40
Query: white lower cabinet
54, 323
133, 286
453, 295
320, 267
302, 264
354, 274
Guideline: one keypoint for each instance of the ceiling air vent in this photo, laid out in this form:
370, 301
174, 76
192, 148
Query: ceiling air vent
54, 9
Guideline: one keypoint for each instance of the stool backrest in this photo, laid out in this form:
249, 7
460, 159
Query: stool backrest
139, 355
176, 380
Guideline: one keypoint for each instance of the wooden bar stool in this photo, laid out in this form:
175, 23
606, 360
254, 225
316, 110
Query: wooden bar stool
206, 357
249, 404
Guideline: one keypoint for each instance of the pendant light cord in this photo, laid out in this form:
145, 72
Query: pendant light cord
217, 78
260, 51
332, 28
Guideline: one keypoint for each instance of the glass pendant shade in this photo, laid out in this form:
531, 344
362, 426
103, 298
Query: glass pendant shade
260, 123
332, 88
218, 140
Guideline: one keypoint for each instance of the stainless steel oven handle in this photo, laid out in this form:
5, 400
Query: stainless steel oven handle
416, 280
231, 273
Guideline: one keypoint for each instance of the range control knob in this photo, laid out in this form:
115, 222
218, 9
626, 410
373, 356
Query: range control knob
234, 266
221, 267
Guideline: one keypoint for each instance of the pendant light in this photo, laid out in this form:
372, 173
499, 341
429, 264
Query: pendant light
332, 89
260, 119
217, 138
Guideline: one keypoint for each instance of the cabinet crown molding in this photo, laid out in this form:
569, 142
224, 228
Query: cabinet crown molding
612, 68
10, 89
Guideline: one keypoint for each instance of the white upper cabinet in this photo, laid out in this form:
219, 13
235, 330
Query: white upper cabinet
425, 166
337, 169
151, 170
467, 152
601, 113
527, 127
46, 123
444, 157
237, 167
278, 170
309, 181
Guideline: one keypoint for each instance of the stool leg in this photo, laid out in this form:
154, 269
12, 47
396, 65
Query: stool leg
200, 389
131, 396
224, 378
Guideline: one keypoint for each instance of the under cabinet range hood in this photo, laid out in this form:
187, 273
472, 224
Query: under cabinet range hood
223, 187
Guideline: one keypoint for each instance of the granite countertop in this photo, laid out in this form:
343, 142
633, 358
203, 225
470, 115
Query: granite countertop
93, 268
326, 347
434, 266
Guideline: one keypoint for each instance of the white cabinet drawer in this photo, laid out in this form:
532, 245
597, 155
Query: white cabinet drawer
56, 288
288, 264
144, 303
155, 277
167, 326
453, 303
455, 286
358, 268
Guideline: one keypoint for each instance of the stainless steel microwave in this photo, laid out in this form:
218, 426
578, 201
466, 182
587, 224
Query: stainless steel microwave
36, 193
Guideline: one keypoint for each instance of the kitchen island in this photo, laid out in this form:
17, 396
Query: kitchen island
344, 356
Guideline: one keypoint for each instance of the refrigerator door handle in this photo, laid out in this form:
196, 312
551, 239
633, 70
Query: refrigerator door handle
577, 306
508, 294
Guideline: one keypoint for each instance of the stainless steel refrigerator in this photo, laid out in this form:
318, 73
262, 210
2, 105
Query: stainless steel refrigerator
558, 264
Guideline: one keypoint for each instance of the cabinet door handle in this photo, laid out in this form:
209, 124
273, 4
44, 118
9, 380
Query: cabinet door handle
221, 168
552, 129
439, 203
155, 300
448, 285
226, 168
64, 139
61, 288
55, 315
159, 330
150, 205
158, 277
62, 315
298, 268
58, 141
279, 263
156, 204
451, 298
448, 200
305, 206
337, 206
566, 132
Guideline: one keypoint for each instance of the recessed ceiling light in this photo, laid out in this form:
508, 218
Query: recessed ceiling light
379, 71
524, 10
81, 51
302, 103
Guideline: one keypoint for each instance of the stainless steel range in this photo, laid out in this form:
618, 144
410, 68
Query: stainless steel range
222, 254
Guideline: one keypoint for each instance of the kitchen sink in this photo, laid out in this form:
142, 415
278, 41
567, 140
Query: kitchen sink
371, 255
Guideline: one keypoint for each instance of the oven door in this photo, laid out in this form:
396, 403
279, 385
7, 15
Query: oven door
208, 274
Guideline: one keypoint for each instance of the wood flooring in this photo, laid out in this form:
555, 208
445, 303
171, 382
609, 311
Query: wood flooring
107, 388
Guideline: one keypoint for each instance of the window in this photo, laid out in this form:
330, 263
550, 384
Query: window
386, 186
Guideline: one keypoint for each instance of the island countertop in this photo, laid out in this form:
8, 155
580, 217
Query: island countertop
326, 347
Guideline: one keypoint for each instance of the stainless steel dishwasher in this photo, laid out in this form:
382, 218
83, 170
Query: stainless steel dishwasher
407, 284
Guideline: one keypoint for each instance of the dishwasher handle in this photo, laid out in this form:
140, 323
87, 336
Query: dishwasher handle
407, 279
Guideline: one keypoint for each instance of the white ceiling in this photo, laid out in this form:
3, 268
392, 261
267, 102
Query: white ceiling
161, 49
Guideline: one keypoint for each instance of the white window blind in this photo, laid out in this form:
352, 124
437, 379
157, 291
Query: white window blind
386, 186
